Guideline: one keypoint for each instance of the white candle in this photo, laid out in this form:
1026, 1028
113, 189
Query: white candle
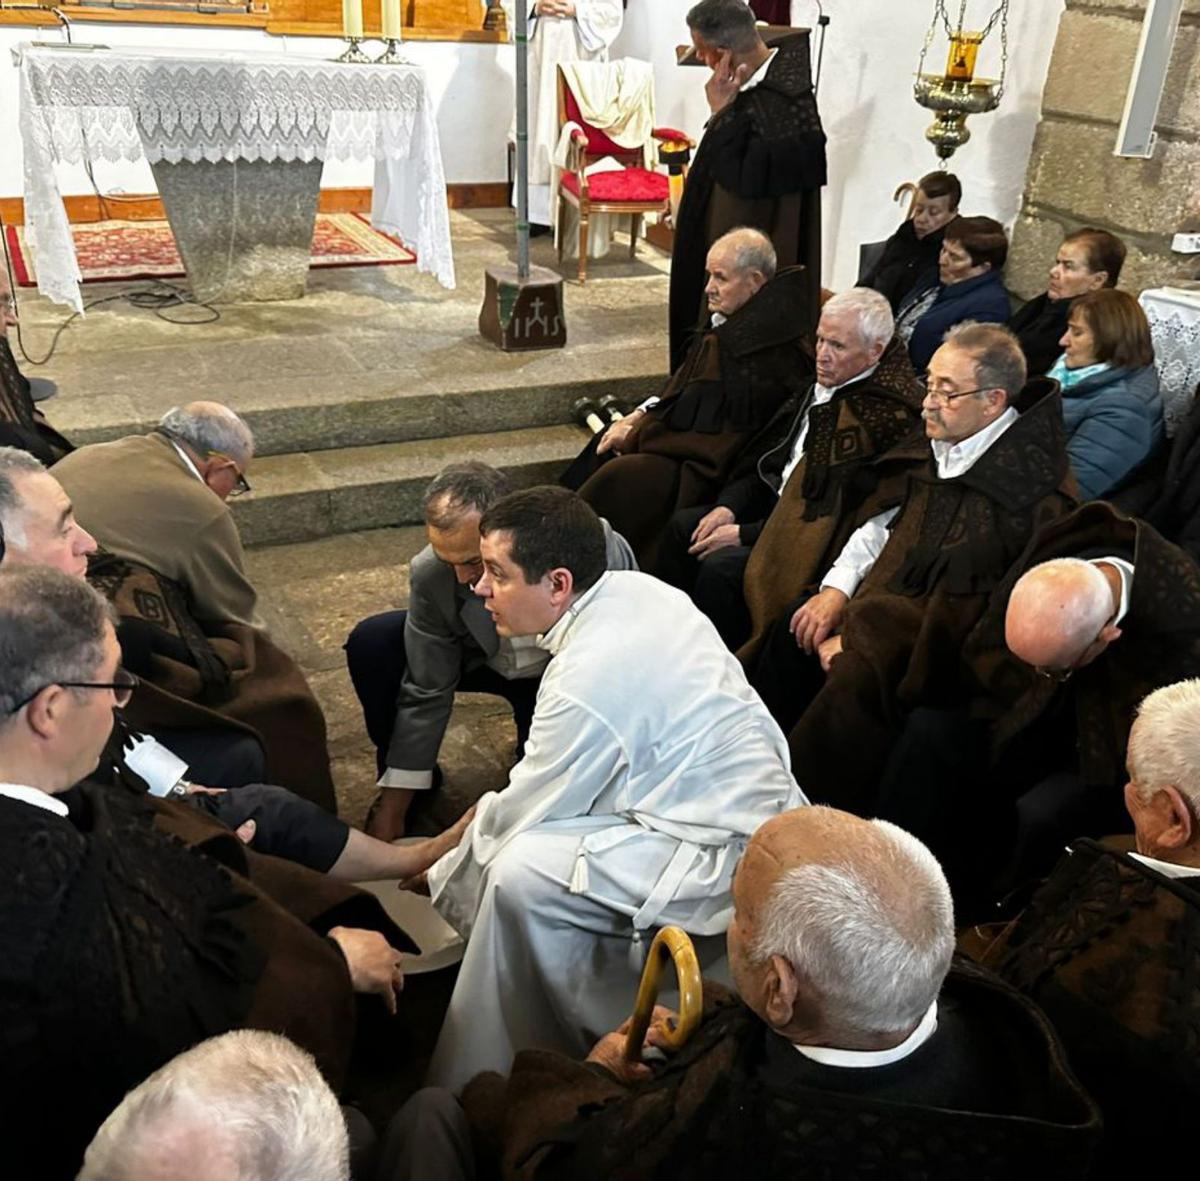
352, 25
391, 20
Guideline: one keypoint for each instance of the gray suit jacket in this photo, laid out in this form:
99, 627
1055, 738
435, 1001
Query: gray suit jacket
448, 631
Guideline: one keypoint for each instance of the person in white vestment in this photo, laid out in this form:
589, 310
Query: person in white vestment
650, 761
560, 31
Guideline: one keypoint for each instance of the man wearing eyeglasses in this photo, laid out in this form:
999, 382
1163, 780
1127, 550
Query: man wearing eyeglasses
120, 947
160, 500
157, 504
955, 506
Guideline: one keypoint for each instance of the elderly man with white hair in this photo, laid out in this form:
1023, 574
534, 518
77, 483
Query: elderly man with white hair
791, 504
173, 565
1108, 945
245, 1106
851, 1049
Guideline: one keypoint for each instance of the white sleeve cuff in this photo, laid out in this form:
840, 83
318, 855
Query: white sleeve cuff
412, 780
649, 403
843, 579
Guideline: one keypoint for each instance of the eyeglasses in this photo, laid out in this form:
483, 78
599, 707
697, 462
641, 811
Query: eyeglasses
940, 399
242, 485
1057, 675
122, 686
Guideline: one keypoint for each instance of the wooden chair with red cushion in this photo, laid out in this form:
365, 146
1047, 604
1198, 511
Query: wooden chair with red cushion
633, 191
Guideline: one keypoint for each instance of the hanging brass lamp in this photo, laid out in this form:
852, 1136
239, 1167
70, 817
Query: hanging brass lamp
957, 93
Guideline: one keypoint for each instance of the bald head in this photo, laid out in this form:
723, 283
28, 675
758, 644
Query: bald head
843, 928
1057, 612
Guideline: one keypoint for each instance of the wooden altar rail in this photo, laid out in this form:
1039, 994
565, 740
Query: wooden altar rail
424, 20
148, 206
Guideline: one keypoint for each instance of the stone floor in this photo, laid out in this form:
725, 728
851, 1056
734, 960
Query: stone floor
313, 593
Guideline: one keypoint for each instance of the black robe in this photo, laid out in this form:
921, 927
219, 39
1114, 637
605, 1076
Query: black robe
907, 263
1108, 948
21, 424
987, 1096
1039, 326
760, 163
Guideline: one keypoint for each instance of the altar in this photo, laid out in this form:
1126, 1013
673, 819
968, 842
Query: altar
236, 143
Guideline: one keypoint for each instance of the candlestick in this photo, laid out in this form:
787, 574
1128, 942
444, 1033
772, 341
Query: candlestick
352, 20
391, 20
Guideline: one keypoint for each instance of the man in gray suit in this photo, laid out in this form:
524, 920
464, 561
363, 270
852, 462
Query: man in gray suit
407, 665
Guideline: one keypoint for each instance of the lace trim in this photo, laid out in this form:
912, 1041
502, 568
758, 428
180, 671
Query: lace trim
1176, 334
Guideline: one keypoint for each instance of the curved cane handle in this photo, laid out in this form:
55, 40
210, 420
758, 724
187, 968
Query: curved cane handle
671, 943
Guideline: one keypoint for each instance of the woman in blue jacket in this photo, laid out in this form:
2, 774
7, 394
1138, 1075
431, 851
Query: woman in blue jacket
1112, 406
969, 287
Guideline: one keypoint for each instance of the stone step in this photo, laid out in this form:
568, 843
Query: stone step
313, 494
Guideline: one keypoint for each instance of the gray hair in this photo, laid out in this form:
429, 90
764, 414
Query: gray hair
725, 24
871, 311
1164, 744
998, 356
51, 630
752, 250
15, 462
462, 488
870, 931
262, 1105
207, 427
1068, 598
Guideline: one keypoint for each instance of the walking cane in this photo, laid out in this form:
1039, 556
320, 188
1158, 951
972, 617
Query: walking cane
671, 943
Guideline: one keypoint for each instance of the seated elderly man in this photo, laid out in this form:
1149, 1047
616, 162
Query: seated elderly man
792, 505
244, 1106
955, 507
649, 763
38, 526
408, 665
1099, 611
121, 946
677, 451
1107, 947
852, 1048
174, 567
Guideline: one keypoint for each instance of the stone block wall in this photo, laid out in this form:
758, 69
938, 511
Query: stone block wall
1074, 179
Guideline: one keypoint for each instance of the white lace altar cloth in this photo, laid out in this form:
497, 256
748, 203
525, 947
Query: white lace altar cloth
1174, 315
81, 106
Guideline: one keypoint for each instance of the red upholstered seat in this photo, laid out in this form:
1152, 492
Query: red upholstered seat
630, 184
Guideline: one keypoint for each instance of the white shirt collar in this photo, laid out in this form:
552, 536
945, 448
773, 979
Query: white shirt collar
859, 1059
1124, 569
822, 393
953, 459
187, 459
1167, 868
758, 74
34, 796
718, 319
556, 637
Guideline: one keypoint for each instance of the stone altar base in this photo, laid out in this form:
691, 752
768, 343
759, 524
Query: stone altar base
244, 228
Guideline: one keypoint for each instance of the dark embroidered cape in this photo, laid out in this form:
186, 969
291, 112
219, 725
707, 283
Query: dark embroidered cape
993, 1099
1109, 949
951, 544
122, 948
732, 382
222, 675
1159, 643
760, 163
819, 508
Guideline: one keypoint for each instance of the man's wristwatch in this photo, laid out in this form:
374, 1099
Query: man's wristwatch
181, 787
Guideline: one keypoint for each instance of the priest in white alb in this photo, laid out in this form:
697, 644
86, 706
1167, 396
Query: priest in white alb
649, 763
560, 31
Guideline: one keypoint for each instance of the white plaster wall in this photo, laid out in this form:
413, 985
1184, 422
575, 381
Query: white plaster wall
472, 87
874, 126
875, 129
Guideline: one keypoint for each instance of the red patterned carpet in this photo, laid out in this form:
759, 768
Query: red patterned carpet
146, 249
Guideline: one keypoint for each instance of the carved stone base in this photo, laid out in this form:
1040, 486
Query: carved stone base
521, 314
244, 229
